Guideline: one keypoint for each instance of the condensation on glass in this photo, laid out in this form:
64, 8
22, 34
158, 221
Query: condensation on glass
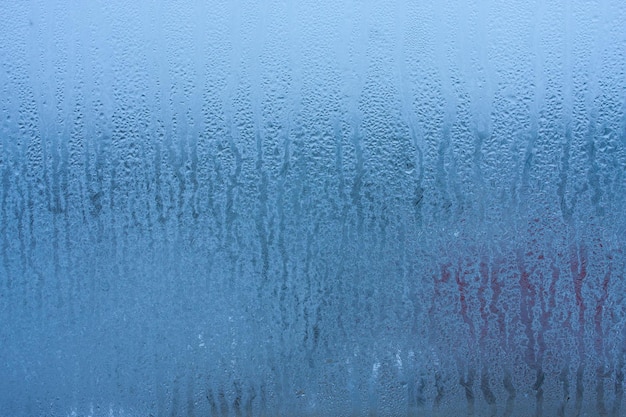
312, 208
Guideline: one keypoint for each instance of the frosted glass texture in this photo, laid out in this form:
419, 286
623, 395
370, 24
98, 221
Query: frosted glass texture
294, 208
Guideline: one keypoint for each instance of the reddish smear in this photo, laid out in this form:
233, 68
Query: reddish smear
527, 303
462, 285
496, 288
597, 318
537, 276
578, 266
552, 291
544, 321
484, 313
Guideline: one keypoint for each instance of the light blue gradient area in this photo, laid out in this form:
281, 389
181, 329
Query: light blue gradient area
294, 208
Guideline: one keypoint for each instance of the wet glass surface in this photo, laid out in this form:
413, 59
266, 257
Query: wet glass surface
312, 208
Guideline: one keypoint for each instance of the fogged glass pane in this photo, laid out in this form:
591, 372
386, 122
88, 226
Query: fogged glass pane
312, 208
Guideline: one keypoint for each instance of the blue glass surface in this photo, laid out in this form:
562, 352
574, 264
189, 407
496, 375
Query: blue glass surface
312, 208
